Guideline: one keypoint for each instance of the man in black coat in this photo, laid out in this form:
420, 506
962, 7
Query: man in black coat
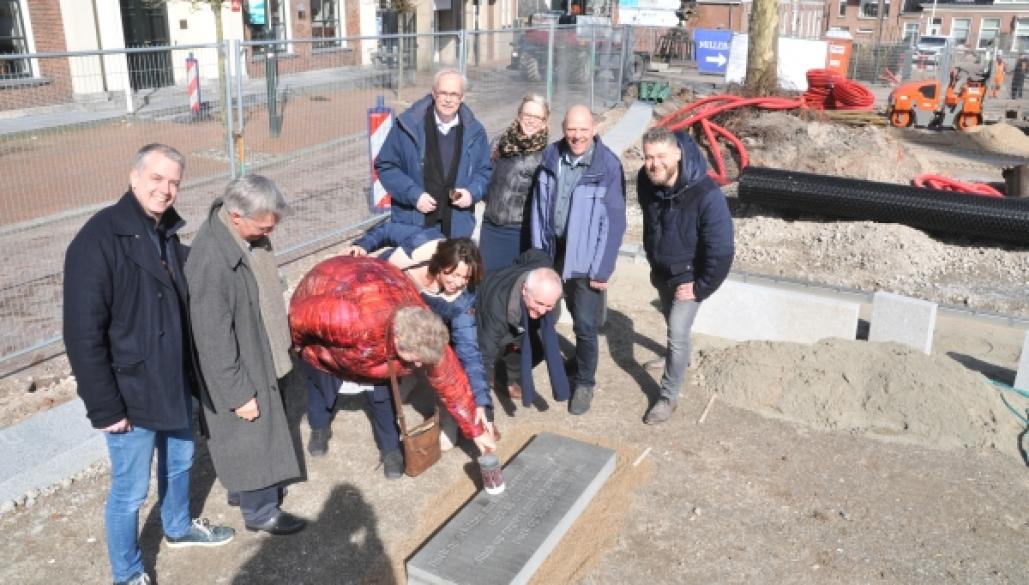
514, 308
126, 331
688, 237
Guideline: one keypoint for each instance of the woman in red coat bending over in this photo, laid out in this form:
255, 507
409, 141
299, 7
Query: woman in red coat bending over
354, 317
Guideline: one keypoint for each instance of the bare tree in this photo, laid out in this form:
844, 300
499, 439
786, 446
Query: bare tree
762, 69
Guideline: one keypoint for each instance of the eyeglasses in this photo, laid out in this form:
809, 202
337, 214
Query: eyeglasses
532, 117
447, 95
264, 228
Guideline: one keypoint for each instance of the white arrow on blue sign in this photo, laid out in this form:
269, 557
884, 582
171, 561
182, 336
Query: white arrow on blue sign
719, 58
711, 48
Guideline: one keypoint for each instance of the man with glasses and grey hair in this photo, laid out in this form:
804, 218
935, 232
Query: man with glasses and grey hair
688, 238
435, 161
242, 336
126, 331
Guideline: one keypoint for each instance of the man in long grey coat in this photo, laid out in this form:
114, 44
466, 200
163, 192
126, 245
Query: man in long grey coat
242, 336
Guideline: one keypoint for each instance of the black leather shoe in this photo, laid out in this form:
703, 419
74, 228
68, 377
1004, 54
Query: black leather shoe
393, 464
279, 524
318, 445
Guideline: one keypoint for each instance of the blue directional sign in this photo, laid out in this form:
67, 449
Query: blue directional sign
711, 48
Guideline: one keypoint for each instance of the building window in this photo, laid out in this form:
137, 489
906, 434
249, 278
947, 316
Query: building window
988, 30
843, 8
325, 22
910, 31
935, 26
959, 30
870, 9
1021, 43
13, 41
266, 21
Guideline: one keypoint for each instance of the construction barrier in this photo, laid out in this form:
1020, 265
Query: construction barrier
380, 121
193, 83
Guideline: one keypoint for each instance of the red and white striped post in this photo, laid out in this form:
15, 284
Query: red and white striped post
380, 121
193, 84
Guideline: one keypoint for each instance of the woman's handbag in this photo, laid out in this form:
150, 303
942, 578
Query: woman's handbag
421, 444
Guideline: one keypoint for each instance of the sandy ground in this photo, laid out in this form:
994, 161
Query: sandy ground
766, 490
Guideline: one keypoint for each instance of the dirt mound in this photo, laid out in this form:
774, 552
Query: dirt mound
885, 390
1001, 137
784, 141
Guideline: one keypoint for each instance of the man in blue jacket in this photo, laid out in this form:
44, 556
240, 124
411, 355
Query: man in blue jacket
578, 218
687, 234
435, 162
126, 330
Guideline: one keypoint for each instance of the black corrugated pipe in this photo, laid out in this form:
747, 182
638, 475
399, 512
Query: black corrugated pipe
944, 211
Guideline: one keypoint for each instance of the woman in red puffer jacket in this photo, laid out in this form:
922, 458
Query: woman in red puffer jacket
344, 320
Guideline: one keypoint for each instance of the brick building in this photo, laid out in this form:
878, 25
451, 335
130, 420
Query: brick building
32, 26
37, 26
974, 24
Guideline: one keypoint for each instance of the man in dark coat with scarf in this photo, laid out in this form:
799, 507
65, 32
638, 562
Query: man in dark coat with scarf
435, 161
126, 331
515, 308
688, 238
242, 334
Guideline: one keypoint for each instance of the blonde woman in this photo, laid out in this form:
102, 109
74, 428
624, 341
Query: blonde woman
515, 158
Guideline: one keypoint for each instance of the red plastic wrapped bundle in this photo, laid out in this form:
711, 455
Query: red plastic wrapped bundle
942, 183
823, 78
341, 318
851, 95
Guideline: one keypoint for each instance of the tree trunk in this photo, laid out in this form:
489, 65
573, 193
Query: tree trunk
762, 76
223, 73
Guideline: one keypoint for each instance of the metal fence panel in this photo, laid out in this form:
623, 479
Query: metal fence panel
299, 115
499, 76
67, 141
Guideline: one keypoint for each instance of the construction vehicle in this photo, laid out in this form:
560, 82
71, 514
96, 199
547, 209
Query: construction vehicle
573, 46
923, 104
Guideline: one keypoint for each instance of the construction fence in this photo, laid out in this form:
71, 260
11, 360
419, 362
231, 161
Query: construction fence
296, 111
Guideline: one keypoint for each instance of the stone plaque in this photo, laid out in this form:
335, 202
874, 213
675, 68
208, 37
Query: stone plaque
505, 538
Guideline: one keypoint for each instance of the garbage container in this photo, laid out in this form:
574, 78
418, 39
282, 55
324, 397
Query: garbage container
839, 45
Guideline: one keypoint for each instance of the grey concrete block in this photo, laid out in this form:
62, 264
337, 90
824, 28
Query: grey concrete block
742, 311
1022, 377
629, 128
504, 538
903, 320
47, 448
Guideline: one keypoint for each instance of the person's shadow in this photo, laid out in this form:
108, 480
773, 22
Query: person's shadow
621, 337
341, 546
203, 475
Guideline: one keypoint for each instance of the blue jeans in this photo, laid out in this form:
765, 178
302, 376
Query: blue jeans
132, 455
679, 316
584, 303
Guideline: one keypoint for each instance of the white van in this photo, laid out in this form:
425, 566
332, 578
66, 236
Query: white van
929, 47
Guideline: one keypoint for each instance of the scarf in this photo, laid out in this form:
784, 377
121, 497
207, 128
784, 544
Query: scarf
269, 293
513, 143
438, 180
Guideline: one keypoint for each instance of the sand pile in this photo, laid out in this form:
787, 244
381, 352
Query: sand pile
1001, 137
886, 390
785, 141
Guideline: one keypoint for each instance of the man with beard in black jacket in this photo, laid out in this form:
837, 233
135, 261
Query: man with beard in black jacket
688, 237
514, 309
